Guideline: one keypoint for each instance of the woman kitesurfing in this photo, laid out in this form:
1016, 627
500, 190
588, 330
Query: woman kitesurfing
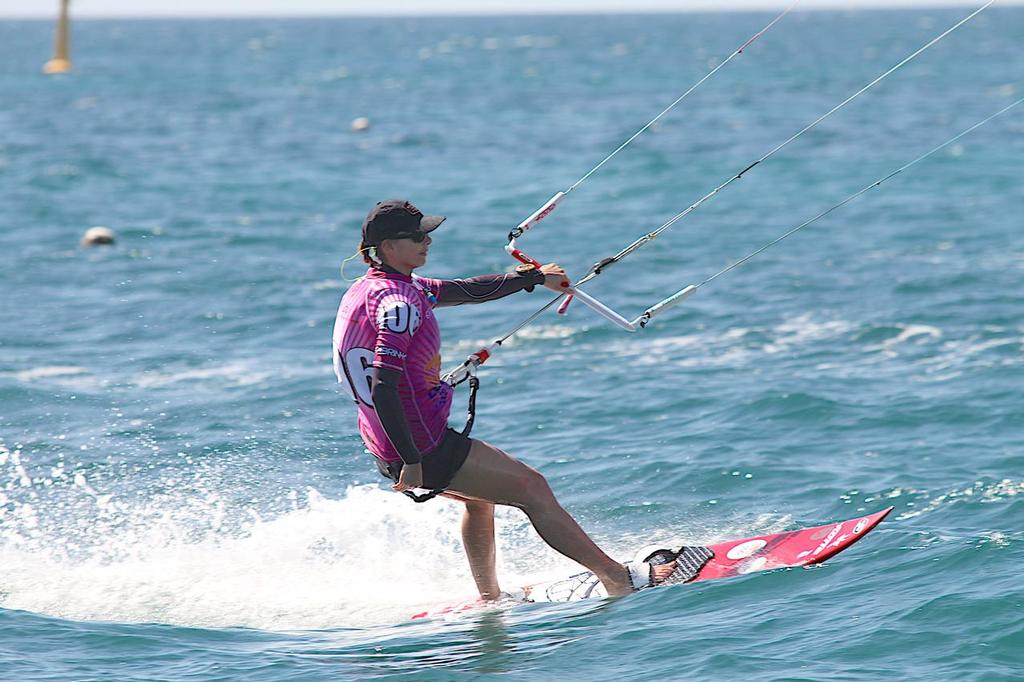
386, 348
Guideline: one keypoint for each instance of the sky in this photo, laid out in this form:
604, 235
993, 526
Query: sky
143, 8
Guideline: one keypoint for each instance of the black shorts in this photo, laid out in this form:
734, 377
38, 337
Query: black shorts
439, 465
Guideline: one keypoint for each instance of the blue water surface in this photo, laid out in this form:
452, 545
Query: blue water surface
184, 496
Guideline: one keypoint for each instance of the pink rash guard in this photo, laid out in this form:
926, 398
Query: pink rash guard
379, 317
386, 322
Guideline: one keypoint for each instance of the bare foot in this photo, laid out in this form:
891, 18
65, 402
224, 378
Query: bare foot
662, 572
620, 587
619, 590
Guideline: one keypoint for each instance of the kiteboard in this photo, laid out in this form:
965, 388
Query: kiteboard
788, 549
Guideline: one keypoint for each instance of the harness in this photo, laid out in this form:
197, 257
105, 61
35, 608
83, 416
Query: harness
474, 385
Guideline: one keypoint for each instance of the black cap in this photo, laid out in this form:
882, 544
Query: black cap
395, 218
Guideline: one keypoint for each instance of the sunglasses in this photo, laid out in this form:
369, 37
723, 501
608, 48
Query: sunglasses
416, 237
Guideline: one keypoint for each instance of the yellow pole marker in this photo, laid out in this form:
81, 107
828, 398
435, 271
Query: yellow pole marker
61, 62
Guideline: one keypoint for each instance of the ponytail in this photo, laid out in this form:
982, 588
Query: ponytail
369, 253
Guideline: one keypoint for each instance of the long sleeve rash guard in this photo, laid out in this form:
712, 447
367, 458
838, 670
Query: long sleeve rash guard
387, 348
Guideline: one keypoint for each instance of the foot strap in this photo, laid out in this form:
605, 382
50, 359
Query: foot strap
689, 561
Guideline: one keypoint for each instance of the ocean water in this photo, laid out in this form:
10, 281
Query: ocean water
183, 495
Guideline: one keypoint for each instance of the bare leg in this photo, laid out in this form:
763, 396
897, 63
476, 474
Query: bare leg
492, 475
478, 540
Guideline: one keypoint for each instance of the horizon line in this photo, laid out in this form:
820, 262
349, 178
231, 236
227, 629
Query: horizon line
710, 7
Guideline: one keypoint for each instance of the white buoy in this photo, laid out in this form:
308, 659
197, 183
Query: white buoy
96, 236
360, 124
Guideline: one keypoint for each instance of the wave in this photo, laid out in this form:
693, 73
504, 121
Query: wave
197, 552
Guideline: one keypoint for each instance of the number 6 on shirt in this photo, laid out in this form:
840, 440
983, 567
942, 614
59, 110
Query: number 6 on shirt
358, 364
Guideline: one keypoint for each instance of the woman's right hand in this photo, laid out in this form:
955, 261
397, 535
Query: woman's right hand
555, 278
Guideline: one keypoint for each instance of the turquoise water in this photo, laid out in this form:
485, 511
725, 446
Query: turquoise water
182, 491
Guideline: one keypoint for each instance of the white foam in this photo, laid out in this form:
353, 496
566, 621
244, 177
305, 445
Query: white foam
972, 352
37, 373
728, 346
802, 329
236, 373
981, 491
328, 285
533, 332
68, 377
368, 557
88, 546
909, 332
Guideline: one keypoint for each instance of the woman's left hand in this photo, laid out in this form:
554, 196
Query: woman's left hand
555, 278
411, 477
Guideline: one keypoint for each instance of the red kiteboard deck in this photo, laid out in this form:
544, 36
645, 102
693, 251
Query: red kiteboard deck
785, 550
788, 549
